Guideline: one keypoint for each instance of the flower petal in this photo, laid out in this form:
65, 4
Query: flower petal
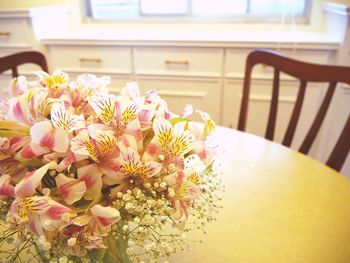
131, 90
32, 150
56, 211
152, 168
163, 132
61, 141
26, 187
42, 134
82, 145
60, 117
70, 189
19, 86
35, 226
6, 189
104, 107
45, 135
92, 177
19, 109
105, 216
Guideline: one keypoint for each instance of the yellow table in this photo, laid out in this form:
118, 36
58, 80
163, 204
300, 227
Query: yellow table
279, 207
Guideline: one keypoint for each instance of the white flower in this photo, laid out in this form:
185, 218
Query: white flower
130, 250
46, 246
171, 192
72, 241
129, 206
63, 259
47, 222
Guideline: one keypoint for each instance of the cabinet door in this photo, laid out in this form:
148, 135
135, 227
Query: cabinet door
202, 94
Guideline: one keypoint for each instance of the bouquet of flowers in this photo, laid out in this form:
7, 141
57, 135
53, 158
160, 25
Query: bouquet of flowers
89, 176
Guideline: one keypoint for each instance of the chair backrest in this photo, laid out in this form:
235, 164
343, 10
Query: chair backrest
11, 62
305, 72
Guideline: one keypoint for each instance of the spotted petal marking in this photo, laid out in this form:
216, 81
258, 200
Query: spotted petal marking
105, 140
194, 178
81, 144
129, 114
181, 143
41, 103
60, 117
164, 132
55, 80
104, 107
131, 165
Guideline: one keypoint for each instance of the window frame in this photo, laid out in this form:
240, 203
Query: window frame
303, 18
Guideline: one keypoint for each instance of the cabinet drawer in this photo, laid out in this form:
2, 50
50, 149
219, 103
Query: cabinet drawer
178, 61
14, 32
105, 59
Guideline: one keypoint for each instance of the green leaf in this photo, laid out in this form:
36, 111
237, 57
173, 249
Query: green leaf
12, 129
208, 169
30, 162
175, 120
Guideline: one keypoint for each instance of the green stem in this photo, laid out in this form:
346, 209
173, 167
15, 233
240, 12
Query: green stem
41, 257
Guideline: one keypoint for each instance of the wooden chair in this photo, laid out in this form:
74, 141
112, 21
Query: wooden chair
11, 62
305, 72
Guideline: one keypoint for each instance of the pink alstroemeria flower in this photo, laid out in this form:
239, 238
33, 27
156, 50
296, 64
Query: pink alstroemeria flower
105, 217
186, 184
171, 141
132, 170
19, 110
119, 113
102, 147
45, 135
88, 184
31, 211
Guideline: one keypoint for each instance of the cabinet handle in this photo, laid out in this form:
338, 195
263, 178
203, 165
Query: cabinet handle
7, 34
177, 62
96, 60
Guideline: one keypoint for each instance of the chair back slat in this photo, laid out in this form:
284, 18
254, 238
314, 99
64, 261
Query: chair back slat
305, 72
11, 62
316, 125
245, 98
271, 124
14, 72
341, 149
288, 137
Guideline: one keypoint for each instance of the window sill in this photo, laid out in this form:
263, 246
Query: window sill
218, 38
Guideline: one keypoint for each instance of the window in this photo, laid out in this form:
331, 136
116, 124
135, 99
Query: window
195, 9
